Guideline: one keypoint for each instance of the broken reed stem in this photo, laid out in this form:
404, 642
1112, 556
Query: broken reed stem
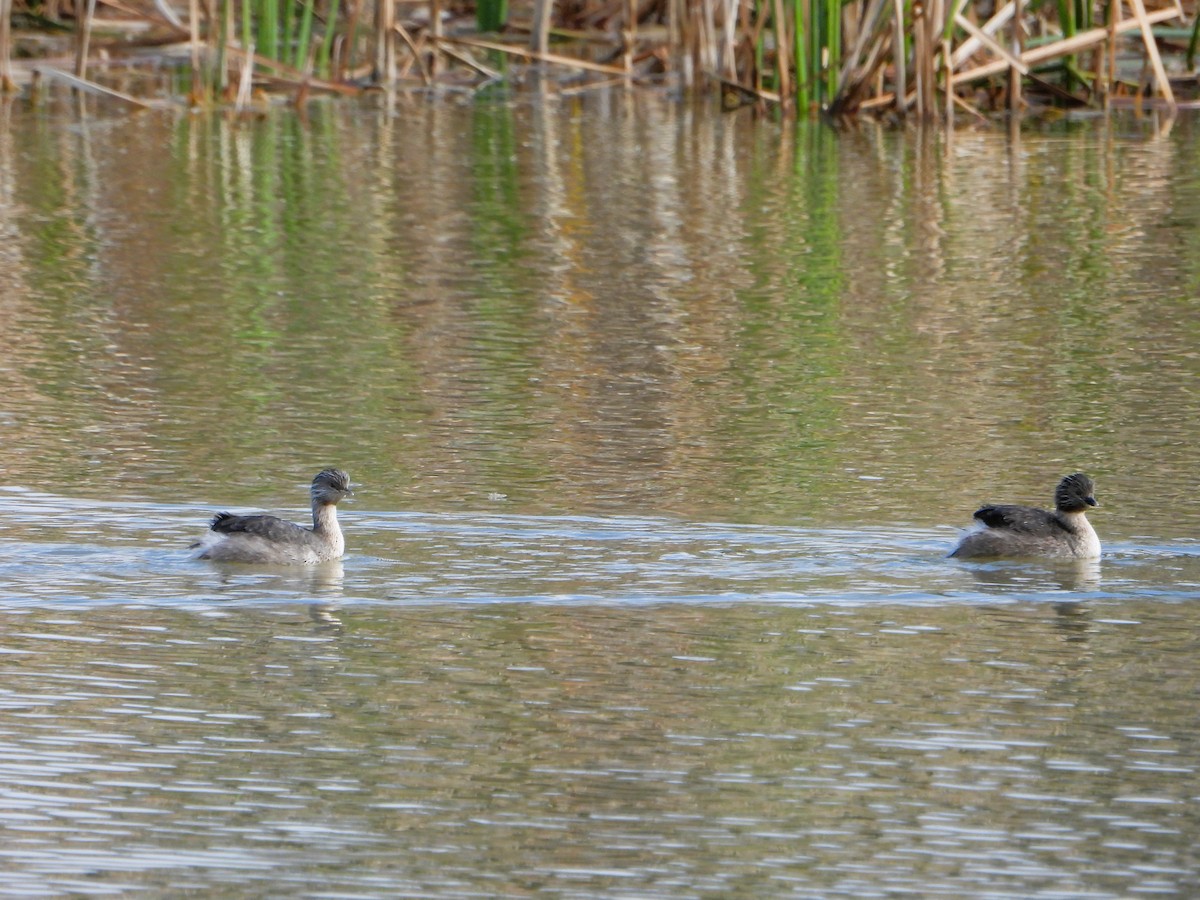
782, 52
557, 59
417, 56
385, 42
1062, 48
1014, 77
629, 38
85, 11
466, 60
539, 35
7, 84
89, 87
990, 43
900, 52
194, 49
435, 31
245, 81
1160, 73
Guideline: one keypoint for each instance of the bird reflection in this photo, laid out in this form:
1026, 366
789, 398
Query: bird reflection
324, 615
1073, 619
326, 581
1063, 575
320, 586
326, 577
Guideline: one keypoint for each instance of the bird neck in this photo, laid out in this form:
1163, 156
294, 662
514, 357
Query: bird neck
1078, 518
324, 517
1085, 541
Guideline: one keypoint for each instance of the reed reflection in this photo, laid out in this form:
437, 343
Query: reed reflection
608, 305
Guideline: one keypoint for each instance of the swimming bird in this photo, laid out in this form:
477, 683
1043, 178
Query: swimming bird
1029, 531
274, 541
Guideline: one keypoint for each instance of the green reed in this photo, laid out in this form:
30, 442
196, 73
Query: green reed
288, 32
823, 52
1074, 16
800, 57
490, 15
324, 53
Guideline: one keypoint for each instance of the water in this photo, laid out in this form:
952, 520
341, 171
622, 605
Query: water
665, 421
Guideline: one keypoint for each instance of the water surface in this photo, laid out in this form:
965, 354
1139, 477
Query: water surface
665, 421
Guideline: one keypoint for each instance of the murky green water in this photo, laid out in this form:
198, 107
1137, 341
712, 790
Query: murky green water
665, 421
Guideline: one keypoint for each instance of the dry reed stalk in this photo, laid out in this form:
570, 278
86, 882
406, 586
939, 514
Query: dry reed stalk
194, 49
948, 81
849, 97
435, 32
539, 33
7, 84
920, 53
629, 38
868, 25
1065, 47
514, 50
1104, 73
466, 60
164, 9
592, 86
709, 45
245, 81
305, 86
937, 29
1014, 77
751, 94
900, 57
90, 87
1114, 19
345, 45
217, 48
417, 55
698, 45
284, 74
936, 43
756, 37
989, 43
728, 54
782, 53
959, 101
1160, 73
857, 70
972, 44
85, 12
681, 40
385, 41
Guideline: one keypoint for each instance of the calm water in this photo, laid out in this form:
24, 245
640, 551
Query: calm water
665, 421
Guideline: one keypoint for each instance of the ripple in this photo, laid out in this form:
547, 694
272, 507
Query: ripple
141, 558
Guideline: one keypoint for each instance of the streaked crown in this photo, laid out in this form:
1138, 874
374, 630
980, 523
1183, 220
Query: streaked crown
1074, 493
331, 485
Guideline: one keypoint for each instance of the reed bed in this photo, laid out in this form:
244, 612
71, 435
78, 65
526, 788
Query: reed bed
931, 59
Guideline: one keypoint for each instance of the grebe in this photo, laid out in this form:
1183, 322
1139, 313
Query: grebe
274, 541
1029, 531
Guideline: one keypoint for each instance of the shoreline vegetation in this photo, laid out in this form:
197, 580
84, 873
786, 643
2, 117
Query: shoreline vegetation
924, 59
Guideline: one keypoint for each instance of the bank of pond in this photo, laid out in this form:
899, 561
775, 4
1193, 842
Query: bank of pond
951, 61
